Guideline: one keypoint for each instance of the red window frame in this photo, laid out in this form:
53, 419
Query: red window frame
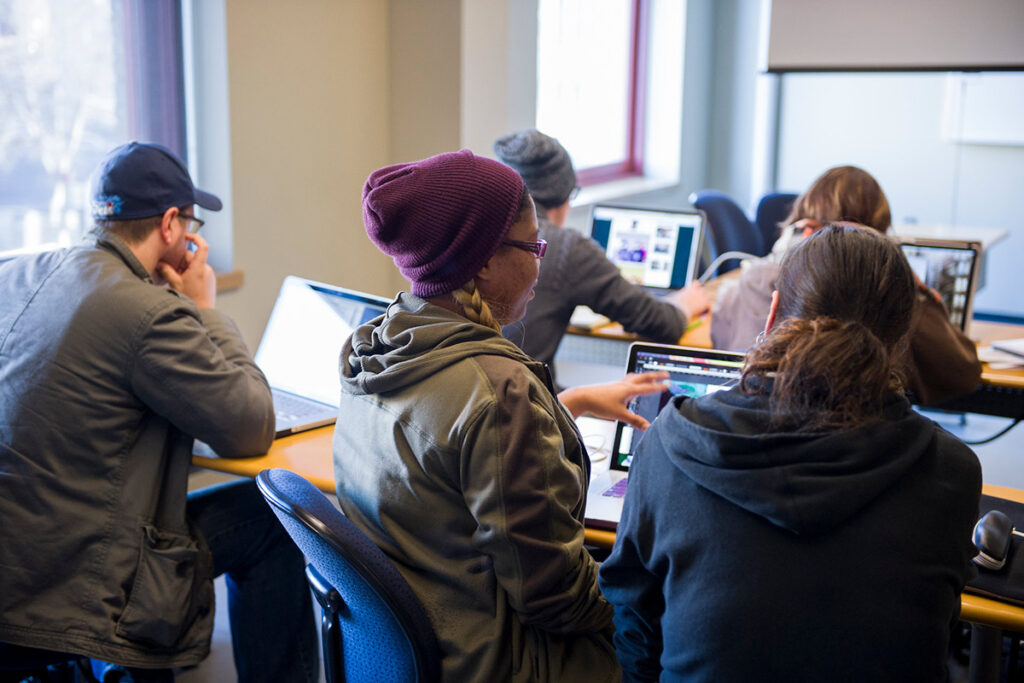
633, 164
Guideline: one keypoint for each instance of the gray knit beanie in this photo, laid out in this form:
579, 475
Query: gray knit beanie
542, 162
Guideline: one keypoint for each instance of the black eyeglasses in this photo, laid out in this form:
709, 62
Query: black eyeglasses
192, 224
536, 248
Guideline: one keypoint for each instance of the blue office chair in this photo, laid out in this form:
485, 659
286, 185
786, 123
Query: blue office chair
773, 208
373, 626
729, 227
18, 664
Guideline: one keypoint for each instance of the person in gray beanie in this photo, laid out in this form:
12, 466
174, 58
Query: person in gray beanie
451, 451
575, 271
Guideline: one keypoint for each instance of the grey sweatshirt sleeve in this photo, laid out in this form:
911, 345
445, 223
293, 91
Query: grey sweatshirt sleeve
192, 367
592, 280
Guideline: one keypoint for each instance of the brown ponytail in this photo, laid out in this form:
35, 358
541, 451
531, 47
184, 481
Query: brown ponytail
825, 373
846, 296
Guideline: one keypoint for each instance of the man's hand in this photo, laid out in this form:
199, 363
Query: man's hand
609, 401
196, 280
692, 300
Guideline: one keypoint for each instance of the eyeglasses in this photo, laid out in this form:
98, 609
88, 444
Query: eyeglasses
536, 248
575, 193
192, 224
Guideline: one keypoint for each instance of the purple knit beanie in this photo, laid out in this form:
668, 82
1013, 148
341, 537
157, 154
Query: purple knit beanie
441, 219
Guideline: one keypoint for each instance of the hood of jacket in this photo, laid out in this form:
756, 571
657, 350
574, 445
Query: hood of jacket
806, 482
413, 340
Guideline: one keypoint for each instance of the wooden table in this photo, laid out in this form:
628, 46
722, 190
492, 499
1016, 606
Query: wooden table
309, 454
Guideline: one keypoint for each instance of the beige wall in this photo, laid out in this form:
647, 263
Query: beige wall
423, 48
321, 92
309, 106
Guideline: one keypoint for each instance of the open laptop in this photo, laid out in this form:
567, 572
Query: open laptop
692, 372
655, 248
950, 267
301, 345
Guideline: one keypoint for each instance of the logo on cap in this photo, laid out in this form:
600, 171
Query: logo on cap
107, 205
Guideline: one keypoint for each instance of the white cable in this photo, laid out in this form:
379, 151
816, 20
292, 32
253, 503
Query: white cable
724, 256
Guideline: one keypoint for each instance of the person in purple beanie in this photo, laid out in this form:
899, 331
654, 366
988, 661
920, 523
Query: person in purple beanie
452, 452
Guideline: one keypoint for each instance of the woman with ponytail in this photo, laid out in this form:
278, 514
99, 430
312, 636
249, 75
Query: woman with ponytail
452, 453
807, 524
939, 361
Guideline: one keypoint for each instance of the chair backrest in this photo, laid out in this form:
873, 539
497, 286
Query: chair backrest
772, 210
374, 627
19, 663
728, 225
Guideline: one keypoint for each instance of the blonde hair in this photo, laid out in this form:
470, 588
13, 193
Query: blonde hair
843, 193
474, 307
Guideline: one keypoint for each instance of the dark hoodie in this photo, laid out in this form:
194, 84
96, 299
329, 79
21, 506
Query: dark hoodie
746, 553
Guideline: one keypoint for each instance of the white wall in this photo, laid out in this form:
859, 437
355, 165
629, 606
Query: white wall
734, 86
891, 125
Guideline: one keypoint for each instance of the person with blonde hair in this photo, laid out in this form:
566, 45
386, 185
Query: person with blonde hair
807, 524
940, 362
451, 450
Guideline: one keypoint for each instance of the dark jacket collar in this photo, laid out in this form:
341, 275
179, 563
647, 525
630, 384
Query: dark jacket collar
120, 247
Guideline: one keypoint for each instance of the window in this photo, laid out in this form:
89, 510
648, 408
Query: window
590, 79
77, 78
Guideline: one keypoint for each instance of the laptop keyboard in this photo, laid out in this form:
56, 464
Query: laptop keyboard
616, 490
290, 408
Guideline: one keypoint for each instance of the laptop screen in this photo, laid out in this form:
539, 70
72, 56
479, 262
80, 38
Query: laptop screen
692, 372
302, 341
950, 268
653, 248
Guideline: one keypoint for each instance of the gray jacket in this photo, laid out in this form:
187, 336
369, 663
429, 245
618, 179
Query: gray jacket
452, 454
104, 380
575, 272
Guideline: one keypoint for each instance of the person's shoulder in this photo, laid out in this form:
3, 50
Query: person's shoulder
760, 270
950, 445
504, 371
955, 455
509, 378
580, 239
563, 238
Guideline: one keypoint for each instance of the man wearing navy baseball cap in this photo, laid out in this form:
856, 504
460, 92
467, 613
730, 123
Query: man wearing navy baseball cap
112, 360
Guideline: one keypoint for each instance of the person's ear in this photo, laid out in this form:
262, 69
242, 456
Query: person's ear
167, 225
772, 311
485, 273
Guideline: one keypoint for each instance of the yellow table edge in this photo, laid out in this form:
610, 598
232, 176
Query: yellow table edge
309, 454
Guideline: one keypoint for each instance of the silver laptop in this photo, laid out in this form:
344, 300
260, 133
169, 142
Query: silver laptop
692, 372
655, 248
950, 267
301, 345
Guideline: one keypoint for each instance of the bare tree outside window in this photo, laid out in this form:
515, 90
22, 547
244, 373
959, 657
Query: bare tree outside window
61, 110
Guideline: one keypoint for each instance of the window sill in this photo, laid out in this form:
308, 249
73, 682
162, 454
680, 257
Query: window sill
232, 279
624, 187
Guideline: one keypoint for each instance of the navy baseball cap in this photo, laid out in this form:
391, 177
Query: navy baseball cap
142, 179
